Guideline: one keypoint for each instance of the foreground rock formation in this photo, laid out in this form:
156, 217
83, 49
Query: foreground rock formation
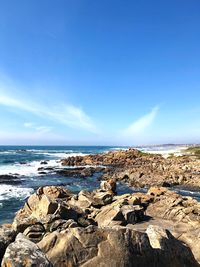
142, 169
99, 228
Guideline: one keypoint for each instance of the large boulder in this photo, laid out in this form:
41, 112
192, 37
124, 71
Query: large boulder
119, 213
42, 206
24, 253
95, 199
171, 206
123, 247
55, 192
49, 203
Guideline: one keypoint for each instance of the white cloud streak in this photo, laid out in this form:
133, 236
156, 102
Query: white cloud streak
68, 115
139, 126
37, 128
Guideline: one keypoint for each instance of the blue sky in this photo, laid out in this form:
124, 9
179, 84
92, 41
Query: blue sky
103, 72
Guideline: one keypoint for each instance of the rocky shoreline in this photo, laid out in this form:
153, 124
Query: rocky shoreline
100, 228
140, 169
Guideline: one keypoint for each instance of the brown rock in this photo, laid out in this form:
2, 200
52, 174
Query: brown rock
22, 221
157, 191
89, 247
55, 192
95, 199
109, 185
172, 206
119, 213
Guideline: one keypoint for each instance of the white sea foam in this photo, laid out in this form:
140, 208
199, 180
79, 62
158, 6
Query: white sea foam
9, 191
61, 154
7, 152
31, 169
28, 169
55, 153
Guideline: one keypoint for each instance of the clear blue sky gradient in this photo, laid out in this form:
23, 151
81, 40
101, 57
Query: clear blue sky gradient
99, 72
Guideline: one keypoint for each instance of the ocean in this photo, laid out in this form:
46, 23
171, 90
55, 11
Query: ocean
20, 177
22, 163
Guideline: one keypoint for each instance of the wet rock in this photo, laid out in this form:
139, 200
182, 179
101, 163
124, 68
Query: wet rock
10, 179
42, 173
41, 169
87, 172
77, 172
44, 162
24, 253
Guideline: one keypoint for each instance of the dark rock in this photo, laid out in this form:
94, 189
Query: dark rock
76, 172
42, 173
132, 214
10, 179
166, 184
44, 162
35, 232
7, 236
60, 225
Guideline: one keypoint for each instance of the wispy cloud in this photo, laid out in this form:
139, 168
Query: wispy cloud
140, 125
38, 128
28, 124
65, 114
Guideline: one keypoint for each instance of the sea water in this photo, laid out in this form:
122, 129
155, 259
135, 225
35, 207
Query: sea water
23, 163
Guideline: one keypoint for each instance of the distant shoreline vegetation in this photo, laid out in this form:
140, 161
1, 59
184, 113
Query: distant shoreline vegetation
194, 151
